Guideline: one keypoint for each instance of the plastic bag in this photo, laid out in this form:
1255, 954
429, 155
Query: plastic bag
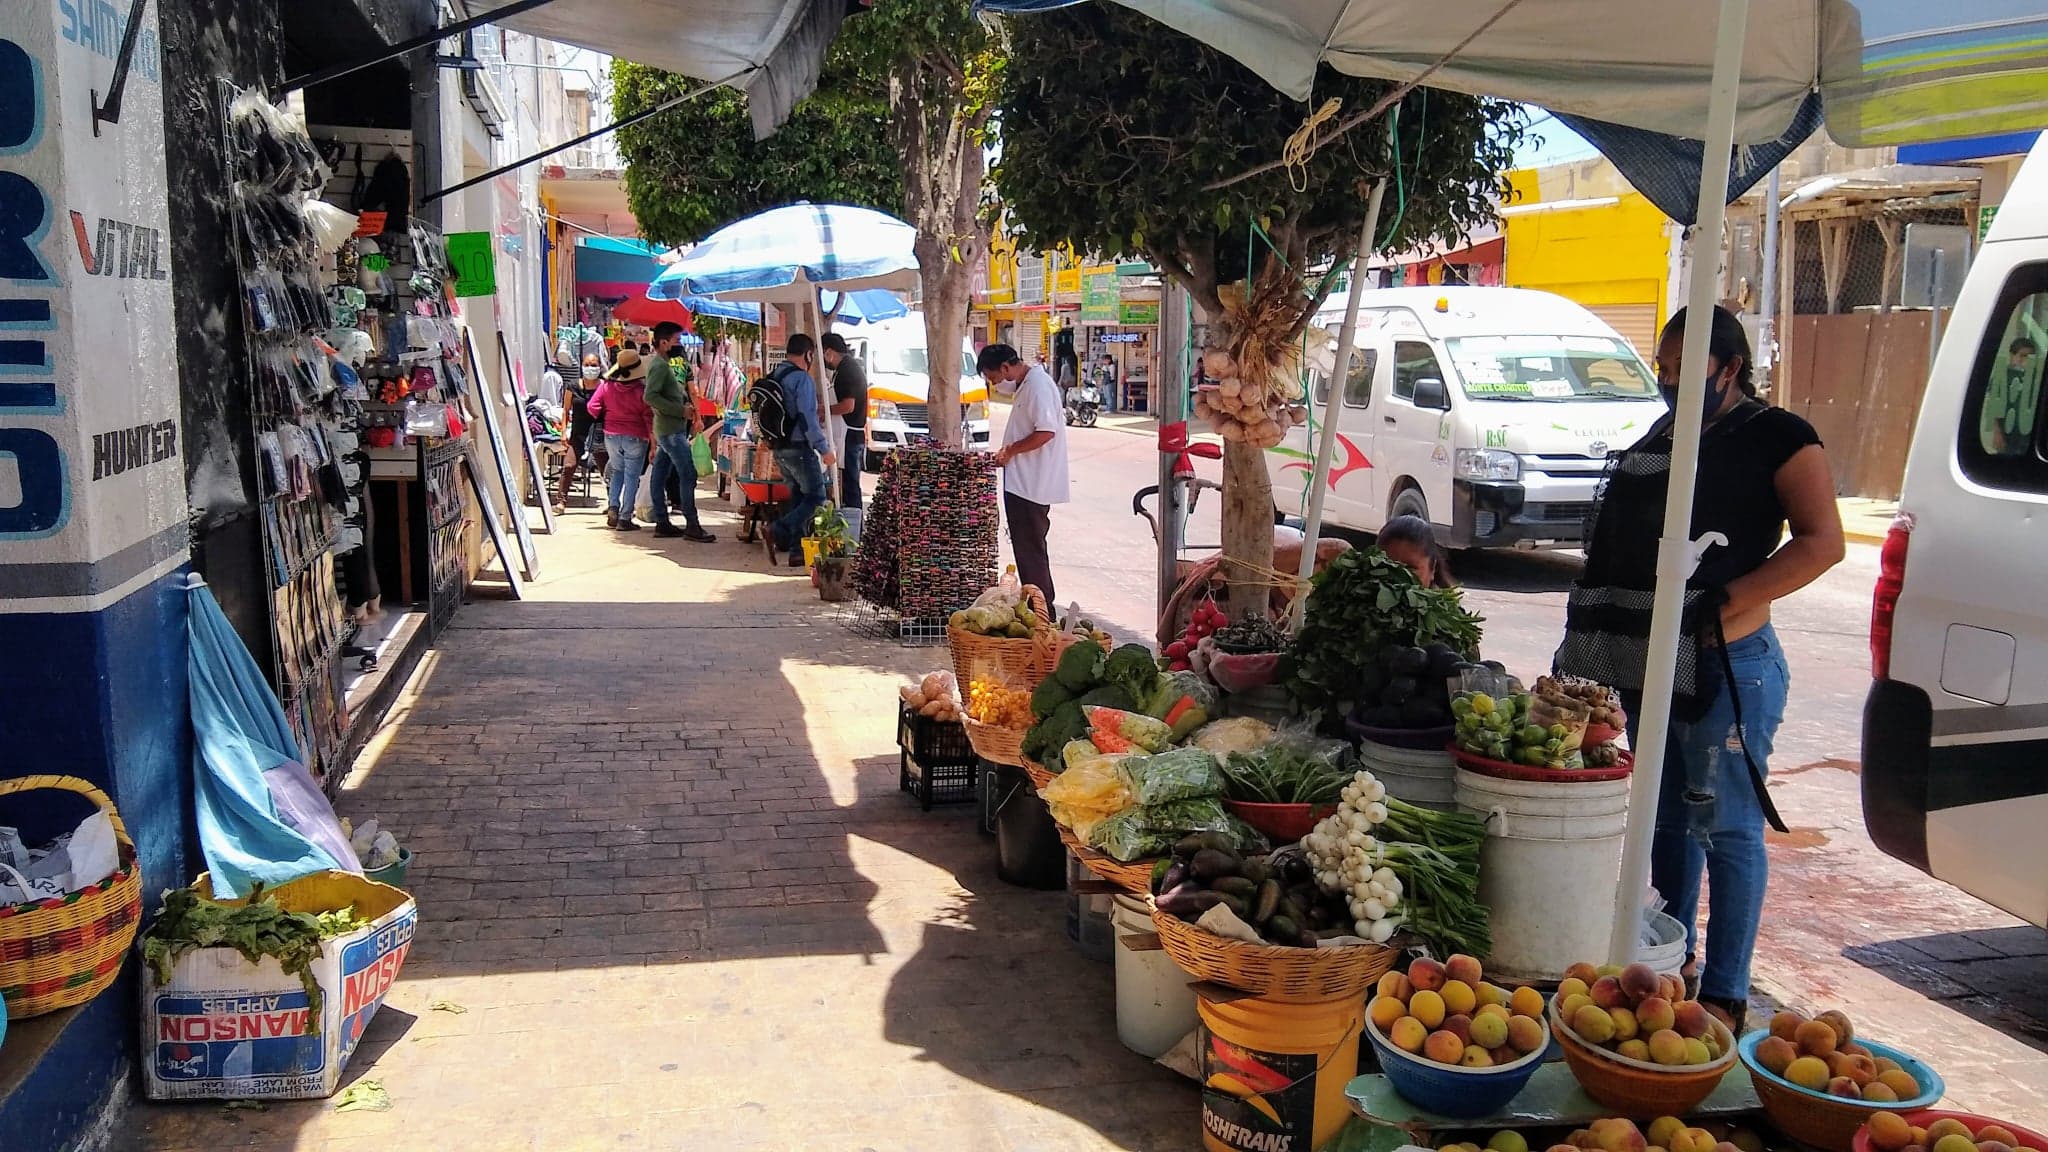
1124, 837
1171, 775
1095, 785
1004, 594
1232, 734
1138, 729
1180, 817
1079, 752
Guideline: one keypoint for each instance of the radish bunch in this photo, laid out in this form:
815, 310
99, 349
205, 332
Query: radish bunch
1206, 620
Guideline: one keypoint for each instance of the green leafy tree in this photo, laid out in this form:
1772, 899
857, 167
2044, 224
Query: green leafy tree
697, 167
939, 65
1121, 135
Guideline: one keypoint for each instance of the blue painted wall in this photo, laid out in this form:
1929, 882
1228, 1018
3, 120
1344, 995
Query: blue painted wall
101, 697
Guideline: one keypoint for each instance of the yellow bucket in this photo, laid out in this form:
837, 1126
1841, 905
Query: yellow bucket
1273, 1075
810, 551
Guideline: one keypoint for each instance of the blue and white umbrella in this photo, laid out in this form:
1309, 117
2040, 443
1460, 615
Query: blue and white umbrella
786, 255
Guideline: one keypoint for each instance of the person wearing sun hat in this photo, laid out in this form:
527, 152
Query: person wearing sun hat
621, 408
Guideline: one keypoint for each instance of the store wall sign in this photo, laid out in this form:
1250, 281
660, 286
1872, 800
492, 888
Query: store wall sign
1098, 297
1138, 312
1123, 337
88, 372
474, 259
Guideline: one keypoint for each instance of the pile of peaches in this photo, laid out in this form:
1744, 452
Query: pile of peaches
1821, 1055
1638, 1014
1448, 1013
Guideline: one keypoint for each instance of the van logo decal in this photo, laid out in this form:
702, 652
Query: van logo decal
1353, 461
1597, 448
1496, 437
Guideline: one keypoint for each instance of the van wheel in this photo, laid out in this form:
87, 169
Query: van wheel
1409, 502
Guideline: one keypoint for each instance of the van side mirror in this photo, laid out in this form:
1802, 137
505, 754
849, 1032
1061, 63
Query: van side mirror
1431, 393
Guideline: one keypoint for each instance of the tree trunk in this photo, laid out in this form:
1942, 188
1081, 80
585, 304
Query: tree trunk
1247, 526
943, 168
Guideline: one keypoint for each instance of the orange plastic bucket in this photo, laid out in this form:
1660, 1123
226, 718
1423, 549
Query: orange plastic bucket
1273, 1075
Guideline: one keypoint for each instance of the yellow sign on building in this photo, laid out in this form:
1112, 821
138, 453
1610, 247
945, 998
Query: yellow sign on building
1610, 253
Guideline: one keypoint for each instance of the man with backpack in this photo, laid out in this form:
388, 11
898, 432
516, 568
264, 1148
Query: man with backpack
785, 406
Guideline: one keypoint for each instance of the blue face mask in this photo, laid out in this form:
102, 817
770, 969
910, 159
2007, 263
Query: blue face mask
1715, 393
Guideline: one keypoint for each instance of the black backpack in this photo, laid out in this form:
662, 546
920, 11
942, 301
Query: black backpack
773, 421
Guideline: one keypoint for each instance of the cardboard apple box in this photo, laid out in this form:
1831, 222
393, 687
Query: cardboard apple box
224, 1028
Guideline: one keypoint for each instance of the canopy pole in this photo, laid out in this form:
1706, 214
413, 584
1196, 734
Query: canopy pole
1675, 558
586, 138
1318, 477
825, 395
1767, 304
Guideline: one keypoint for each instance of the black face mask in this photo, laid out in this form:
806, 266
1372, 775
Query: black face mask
1716, 392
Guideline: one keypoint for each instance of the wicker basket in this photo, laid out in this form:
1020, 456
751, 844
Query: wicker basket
1135, 877
1831, 1122
1040, 775
1636, 1089
1005, 660
995, 744
1284, 975
63, 951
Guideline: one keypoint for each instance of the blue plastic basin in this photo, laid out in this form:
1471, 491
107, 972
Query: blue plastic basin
1457, 1092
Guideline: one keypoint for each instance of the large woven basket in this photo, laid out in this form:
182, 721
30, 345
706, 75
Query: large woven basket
1286, 975
1039, 773
63, 951
1135, 877
995, 744
1009, 661
1634, 1088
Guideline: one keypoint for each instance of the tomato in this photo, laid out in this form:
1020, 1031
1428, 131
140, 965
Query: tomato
1178, 650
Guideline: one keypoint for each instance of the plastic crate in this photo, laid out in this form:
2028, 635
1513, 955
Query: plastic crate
938, 783
921, 631
933, 742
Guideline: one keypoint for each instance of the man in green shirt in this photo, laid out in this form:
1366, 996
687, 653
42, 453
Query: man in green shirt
2012, 399
675, 426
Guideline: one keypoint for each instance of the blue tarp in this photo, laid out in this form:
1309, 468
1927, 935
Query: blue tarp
249, 785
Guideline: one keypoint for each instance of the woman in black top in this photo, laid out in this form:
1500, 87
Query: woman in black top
1760, 469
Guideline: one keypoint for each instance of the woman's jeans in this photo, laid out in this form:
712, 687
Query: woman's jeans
1709, 818
622, 478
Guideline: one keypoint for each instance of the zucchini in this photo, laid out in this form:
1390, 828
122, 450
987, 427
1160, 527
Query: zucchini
1210, 863
1268, 902
1238, 886
1281, 930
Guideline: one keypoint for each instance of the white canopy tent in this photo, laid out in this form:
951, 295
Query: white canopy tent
769, 49
1734, 73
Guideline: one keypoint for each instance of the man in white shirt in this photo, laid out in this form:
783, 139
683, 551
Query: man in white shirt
1033, 458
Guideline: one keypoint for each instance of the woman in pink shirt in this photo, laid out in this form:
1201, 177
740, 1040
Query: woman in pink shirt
620, 407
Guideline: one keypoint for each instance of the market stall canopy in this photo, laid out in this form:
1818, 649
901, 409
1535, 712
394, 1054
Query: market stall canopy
863, 307
613, 267
786, 255
1633, 77
771, 49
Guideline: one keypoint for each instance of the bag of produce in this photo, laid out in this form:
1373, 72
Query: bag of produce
1135, 727
1234, 673
1085, 794
1124, 837
1006, 593
1184, 701
1079, 752
1232, 734
1175, 774
1180, 817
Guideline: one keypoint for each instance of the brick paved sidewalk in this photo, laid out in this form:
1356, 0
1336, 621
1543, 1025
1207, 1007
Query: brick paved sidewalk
665, 873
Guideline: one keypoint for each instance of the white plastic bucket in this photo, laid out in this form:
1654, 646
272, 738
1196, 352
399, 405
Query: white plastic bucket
1548, 869
1155, 1008
1663, 946
1421, 776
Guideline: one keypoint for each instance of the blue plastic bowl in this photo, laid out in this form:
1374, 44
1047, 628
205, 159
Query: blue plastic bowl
1929, 1080
1456, 1092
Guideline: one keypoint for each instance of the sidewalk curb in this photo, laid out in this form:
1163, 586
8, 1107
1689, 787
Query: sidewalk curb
1855, 537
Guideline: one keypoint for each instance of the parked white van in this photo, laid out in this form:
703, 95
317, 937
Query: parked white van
899, 385
1488, 412
1955, 730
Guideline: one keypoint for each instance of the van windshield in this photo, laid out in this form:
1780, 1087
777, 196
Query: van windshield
910, 361
1551, 368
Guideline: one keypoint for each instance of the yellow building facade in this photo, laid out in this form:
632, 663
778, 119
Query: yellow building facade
1580, 231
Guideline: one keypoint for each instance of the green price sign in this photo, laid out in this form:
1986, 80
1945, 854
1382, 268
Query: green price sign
1098, 297
472, 257
1134, 313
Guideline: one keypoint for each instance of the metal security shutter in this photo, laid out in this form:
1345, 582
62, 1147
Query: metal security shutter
1637, 324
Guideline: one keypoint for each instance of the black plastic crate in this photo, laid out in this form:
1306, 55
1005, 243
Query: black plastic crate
939, 743
938, 783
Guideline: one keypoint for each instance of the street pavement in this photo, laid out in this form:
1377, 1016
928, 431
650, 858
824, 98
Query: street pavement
672, 898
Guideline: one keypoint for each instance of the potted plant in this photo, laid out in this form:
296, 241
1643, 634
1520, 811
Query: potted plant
835, 553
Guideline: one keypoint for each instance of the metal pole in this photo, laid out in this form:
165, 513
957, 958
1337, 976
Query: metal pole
593, 134
1767, 302
1326, 448
1675, 559
1175, 364
424, 39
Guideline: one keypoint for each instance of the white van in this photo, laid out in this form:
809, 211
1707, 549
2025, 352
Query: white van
1488, 412
1955, 730
899, 385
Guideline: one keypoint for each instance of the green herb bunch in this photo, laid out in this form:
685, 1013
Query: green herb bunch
256, 929
1364, 601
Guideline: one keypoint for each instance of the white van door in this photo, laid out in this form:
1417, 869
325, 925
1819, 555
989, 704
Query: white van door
1414, 460
1352, 480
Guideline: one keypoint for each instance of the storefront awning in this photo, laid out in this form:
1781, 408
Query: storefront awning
774, 47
